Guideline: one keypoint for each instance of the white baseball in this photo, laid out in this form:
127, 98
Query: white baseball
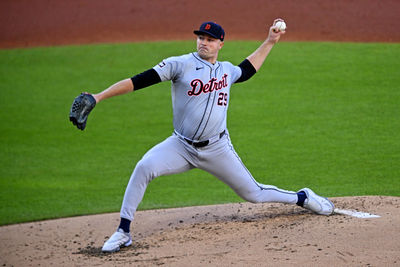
281, 25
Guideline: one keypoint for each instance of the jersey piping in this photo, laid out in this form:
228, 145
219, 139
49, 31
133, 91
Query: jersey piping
212, 106
208, 102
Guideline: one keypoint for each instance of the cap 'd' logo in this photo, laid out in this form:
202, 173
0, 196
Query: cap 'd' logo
208, 26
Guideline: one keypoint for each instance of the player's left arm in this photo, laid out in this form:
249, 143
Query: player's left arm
253, 63
258, 57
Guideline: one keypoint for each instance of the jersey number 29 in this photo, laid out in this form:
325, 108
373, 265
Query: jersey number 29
222, 99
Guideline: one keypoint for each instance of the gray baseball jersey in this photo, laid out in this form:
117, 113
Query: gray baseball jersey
200, 94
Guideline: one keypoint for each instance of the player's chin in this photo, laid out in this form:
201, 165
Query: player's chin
203, 53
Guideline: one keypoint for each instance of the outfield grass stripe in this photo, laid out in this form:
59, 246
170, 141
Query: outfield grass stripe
323, 115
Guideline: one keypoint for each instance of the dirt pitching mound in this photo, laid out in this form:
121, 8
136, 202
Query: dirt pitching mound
242, 234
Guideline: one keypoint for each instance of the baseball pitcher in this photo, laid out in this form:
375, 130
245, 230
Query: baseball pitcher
200, 86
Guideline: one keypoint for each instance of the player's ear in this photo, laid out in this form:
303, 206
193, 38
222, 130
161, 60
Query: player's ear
221, 44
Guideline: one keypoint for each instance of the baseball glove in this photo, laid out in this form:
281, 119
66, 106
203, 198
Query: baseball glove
80, 109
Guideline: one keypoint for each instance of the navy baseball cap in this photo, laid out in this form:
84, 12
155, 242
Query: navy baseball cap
212, 29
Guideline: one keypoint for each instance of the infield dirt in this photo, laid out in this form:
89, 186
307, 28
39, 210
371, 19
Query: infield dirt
240, 234
222, 235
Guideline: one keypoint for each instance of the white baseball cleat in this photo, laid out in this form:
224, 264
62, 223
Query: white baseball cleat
317, 204
118, 239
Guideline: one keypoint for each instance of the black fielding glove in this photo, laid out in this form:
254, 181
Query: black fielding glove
80, 109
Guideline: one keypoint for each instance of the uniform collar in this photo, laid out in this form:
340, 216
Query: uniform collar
212, 66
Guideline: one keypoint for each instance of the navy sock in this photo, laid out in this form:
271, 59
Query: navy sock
301, 196
125, 224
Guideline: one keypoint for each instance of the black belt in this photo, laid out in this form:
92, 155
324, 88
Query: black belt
202, 143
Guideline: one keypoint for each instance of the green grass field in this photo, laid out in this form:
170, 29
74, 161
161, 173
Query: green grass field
323, 115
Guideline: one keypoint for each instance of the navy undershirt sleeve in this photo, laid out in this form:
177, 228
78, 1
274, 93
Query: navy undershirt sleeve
248, 70
145, 79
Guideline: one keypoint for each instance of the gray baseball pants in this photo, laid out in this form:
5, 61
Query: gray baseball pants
175, 155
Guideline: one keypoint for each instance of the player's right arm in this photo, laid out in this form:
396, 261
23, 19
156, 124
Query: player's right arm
137, 82
84, 103
119, 88
165, 70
